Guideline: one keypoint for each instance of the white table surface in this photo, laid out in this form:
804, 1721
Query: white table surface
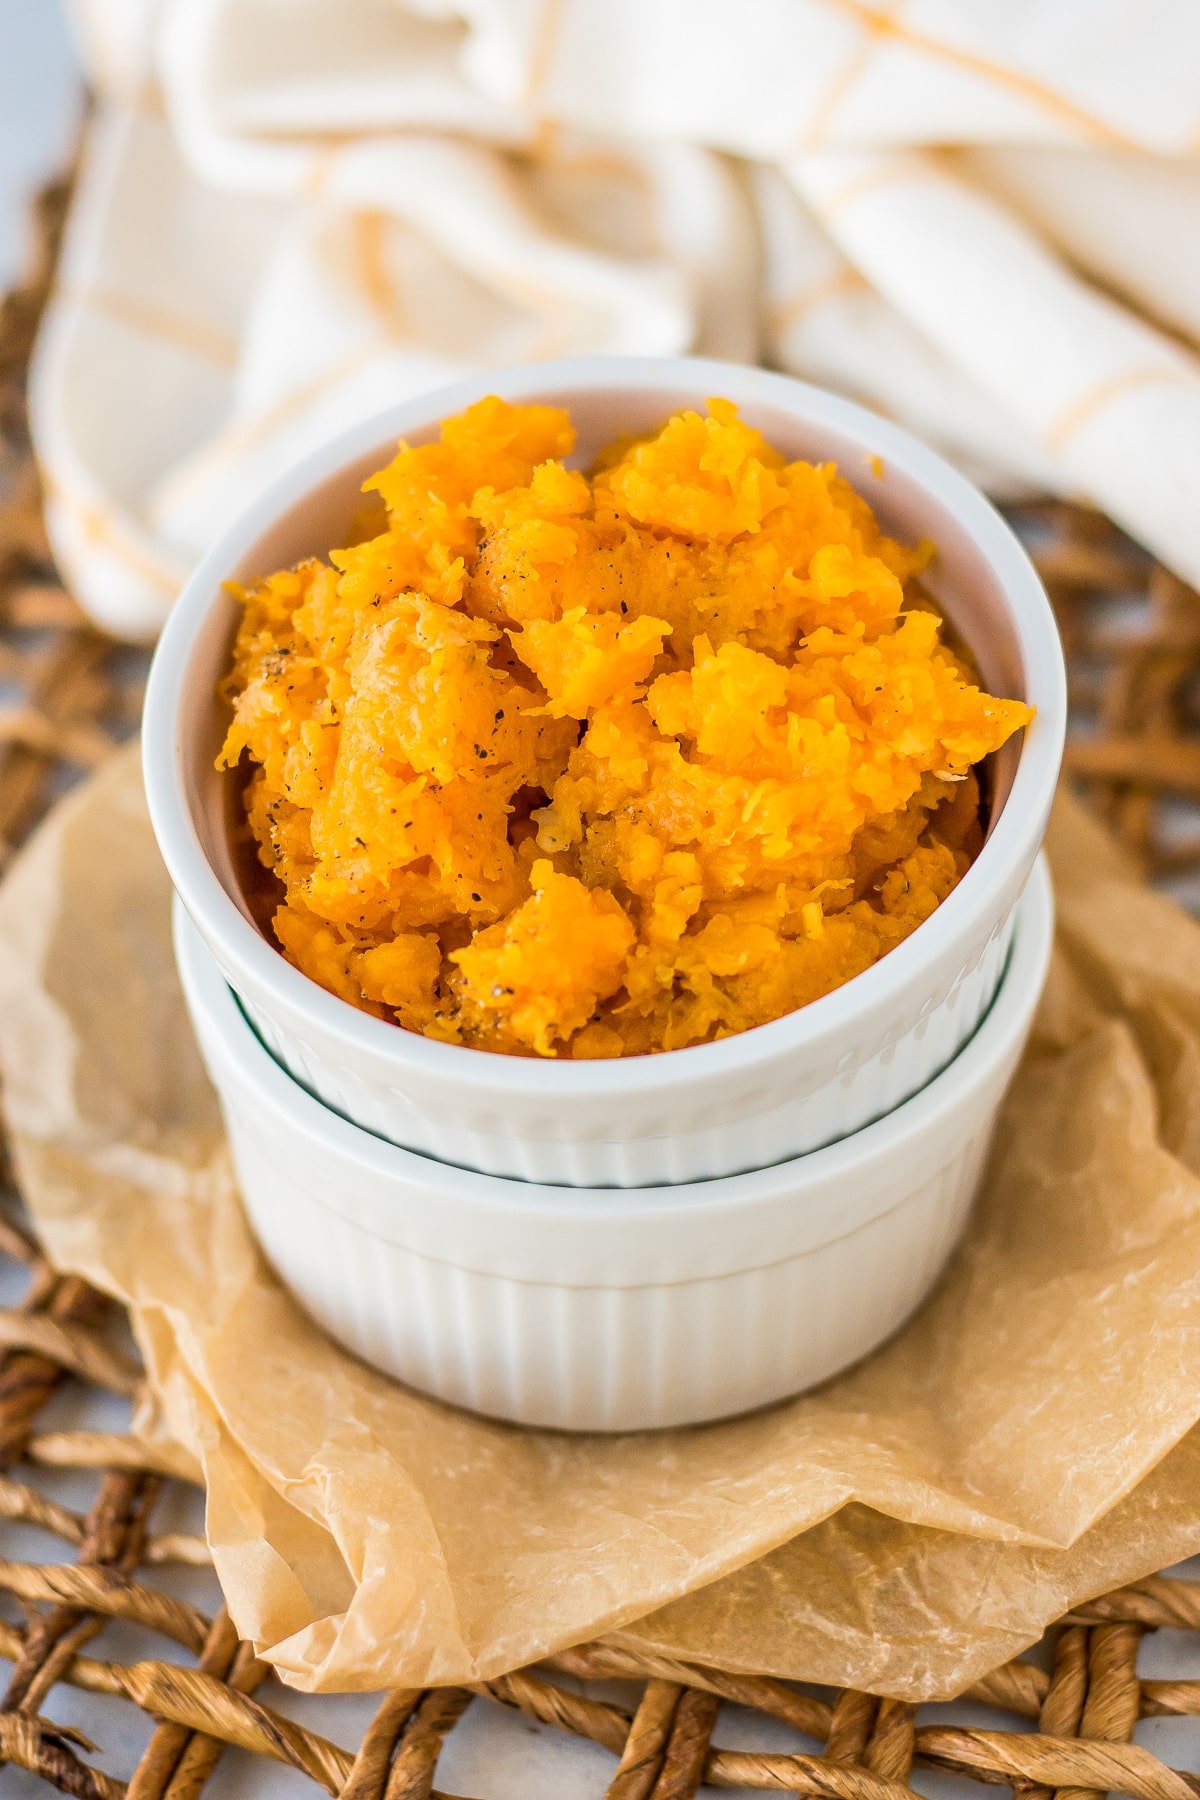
490, 1755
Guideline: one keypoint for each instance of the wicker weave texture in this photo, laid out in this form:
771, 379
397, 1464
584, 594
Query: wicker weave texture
1062, 1724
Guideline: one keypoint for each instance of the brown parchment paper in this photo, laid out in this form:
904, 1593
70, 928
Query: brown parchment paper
928, 1510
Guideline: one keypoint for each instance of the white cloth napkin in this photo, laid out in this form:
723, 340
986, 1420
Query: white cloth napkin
980, 217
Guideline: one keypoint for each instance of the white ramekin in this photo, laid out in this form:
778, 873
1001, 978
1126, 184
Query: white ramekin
598, 1309
748, 1101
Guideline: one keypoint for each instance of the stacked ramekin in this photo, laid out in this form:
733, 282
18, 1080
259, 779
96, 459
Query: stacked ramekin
646, 1241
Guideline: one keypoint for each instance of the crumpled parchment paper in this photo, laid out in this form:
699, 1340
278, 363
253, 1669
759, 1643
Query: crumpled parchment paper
1022, 1444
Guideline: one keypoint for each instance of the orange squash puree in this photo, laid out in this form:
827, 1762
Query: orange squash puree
592, 765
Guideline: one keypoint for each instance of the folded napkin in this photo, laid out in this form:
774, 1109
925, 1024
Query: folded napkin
292, 212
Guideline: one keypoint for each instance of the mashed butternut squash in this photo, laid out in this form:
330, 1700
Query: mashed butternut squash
597, 765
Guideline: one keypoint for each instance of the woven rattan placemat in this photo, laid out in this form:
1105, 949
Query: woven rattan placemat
67, 695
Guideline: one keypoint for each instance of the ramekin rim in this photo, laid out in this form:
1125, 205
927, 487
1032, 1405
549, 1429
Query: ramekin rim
252, 959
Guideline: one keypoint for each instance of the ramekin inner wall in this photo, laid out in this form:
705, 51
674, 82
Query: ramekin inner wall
966, 586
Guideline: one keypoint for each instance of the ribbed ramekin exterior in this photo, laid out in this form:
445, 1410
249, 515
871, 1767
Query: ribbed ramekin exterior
606, 1358
582, 1309
785, 1110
